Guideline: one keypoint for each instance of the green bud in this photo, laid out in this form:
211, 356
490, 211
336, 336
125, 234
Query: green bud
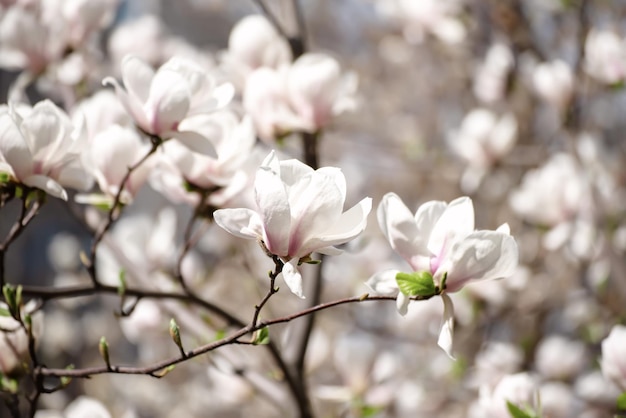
103, 347
175, 334
262, 336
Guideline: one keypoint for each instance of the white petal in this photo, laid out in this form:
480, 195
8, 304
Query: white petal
399, 227
47, 185
131, 103
402, 303
137, 77
447, 327
349, 225
273, 203
293, 170
293, 278
384, 283
483, 255
456, 222
168, 102
243, 223
196, 143
13, 148
316, 205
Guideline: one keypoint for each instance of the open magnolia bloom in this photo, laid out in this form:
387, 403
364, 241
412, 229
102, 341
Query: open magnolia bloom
40, 148
159, 101
445, 252
300, 212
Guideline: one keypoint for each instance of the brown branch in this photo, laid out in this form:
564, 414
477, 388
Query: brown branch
153, 369
113, 213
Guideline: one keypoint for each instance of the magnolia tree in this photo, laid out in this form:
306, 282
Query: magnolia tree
384, 208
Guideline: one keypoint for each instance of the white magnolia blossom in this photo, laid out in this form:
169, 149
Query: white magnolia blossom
31, 38
300, 211
491, 75
440, 239
41, 148
555, 195
109, 156
482, 139
560, 358
520, 389
254, 43
605, 56
160, 101
143, 37
14, 340
554, 82
420, 18
305, 96
84, 17
81, 407
614, 356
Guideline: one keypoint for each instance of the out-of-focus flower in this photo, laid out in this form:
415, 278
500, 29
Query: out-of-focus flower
29, 39
318, 90
255, 43
554, 195
160, 101
81, 407
40, 147
300, 212
554, 82
420, 18
491, 76
560, 358
605, 56
481, 140
143, 37
614, 356
179, 167
83, 17
100, 111
303, 97
109, 156
440, 239
519, 389
14, 339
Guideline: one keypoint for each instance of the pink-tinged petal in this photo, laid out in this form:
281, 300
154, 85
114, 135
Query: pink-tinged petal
316, 203
137, 77
131, 103
349, 225
447, 326
13, 148
426, 218
398, 225
402, 303
242, 223
483, 255
47, 185
195, 142
293, 170
273, 203
44, 132
73, 175
384, 283
293, 278
329, 251
456, 222
168, 102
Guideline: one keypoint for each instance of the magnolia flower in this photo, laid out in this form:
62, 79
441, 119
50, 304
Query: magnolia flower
84, 17
231, 138
110, 154
614, 356
482, 139
519, 389
300, 212
605, 56
255, 43
440, 240
490, 78
305, 96
160, 101
40, 147
554, 82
